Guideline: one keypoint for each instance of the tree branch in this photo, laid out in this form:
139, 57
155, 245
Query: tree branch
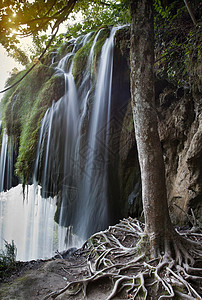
104, 3
32, 67
190, 12
60, 16
66, 11
51, 8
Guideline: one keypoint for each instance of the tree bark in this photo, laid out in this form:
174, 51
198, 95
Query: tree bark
154, 195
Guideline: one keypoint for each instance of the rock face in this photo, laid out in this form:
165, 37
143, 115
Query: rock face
180, 129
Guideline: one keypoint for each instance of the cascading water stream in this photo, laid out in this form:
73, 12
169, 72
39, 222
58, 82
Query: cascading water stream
63, 123
84, 92
92, 211
29, 219
53, 126
57, 144
30, 223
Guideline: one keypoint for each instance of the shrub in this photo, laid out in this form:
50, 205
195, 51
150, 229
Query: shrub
7, 259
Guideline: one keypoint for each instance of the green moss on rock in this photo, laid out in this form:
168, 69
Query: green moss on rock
104, 34
82, 55
80, 61
23, 109
52, 91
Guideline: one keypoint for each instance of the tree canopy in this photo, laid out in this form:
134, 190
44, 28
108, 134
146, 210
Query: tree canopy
21, 18
40, 19
177, 41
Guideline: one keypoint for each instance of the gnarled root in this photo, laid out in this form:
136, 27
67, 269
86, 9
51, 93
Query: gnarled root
121, 254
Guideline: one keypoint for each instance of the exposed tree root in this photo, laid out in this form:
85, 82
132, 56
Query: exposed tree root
121, 254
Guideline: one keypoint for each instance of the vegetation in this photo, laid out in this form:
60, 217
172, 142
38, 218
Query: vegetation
7, 259
51, 92
24, 107
81, 57
177, 44
21, 19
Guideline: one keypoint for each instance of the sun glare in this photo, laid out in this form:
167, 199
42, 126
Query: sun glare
14, 31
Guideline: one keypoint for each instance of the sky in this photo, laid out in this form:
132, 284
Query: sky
6, 66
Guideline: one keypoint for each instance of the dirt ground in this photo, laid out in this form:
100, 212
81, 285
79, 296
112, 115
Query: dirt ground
36, 279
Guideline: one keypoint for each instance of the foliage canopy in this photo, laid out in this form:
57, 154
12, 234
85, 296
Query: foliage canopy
35, 18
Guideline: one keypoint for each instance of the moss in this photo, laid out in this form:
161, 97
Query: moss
20, 288
18, 102
82, 55
64, 48
104, 34
23, 108
8, 102
52, 91
47, 59
4, 291
122, 40
80, 60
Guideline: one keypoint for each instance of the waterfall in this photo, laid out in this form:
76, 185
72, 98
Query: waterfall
75, 164
71, 167
57, 145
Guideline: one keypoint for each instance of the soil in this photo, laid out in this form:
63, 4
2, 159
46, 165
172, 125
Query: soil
35, 279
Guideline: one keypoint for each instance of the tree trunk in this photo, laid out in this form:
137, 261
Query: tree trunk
154, 195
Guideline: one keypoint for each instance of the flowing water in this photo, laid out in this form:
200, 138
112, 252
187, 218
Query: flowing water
29, 221
71, 165
92, 210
